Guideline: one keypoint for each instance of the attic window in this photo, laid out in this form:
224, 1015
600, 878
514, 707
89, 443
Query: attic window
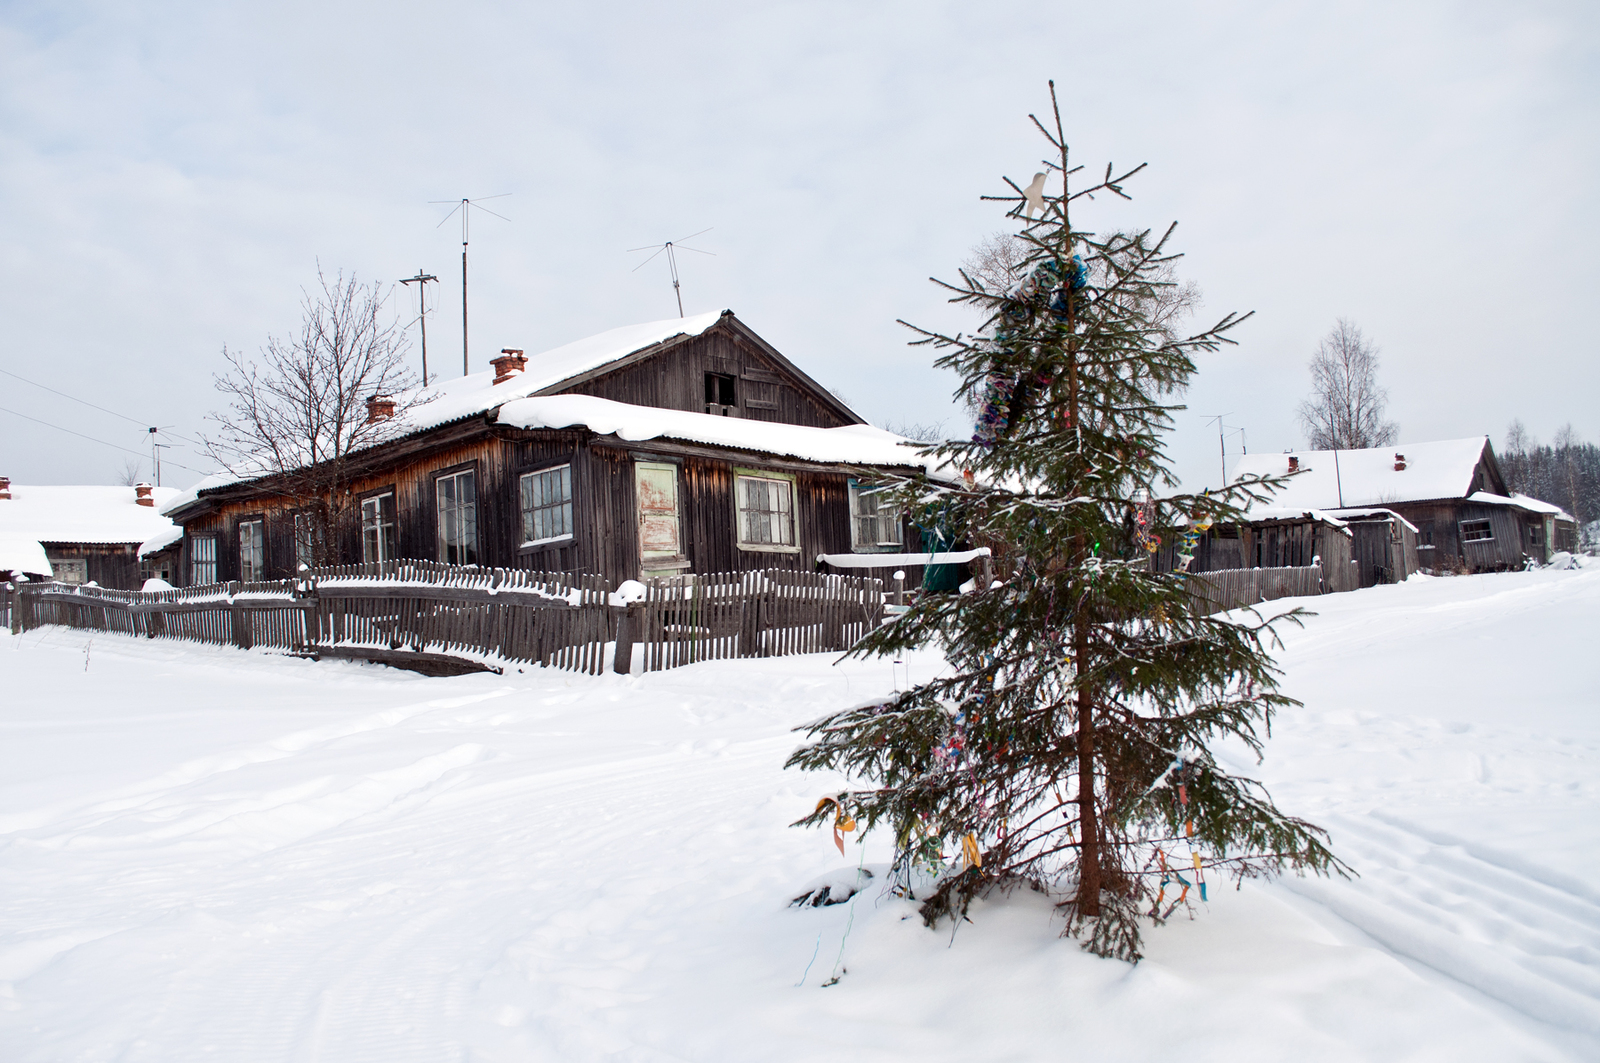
1476, 531
721, 399
1227, 531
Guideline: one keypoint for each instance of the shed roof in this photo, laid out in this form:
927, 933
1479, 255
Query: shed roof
83, 514
24, 555
1354, 478
1527, 502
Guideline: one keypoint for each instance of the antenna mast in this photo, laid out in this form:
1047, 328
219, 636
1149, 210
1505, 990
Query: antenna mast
421, 281
466, 206
670, 247
1222, 445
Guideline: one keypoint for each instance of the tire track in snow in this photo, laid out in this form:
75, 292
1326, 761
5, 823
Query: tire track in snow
1520, 934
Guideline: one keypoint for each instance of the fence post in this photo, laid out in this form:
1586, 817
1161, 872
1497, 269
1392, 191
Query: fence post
627, 631
241, 619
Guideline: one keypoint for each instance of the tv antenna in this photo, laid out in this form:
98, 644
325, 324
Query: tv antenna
155, 454
421, 281
671, 247
1222, 444
466, 207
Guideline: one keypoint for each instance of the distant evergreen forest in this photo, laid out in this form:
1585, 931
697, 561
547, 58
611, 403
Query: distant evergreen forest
1566, 473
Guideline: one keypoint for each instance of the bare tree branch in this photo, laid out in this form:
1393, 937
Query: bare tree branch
1346, 408
297, 411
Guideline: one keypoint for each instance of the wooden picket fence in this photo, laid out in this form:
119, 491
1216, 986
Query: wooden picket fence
766, 613
443, 619
1234, 588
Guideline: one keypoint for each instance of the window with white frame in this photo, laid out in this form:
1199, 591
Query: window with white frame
874, 525
546, 505
377, 527
1476, 531
202, 560
458, 518
252, 550
766, 511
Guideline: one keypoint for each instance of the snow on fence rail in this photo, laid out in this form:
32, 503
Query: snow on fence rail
434, 616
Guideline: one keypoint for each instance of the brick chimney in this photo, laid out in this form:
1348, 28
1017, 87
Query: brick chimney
1399, 463
379, 408
509, 364
1294, 463
142, 495
5, 488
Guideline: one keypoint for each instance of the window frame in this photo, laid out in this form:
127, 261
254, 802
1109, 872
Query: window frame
858, 490
529, 541
258, 567
393, 526
75, 564
195, 541
1488, 529
788, 479
442, 548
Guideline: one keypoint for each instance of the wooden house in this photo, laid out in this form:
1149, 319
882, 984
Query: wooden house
1450, 491
78, 535
681, 446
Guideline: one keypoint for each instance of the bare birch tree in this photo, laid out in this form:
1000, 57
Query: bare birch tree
296, 412
1346, 408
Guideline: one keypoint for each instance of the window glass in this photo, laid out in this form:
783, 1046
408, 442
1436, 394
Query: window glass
458, 518
75, 572
872, 524
547, 504
1473, 531
202, 560
377, 528
252, 551
766, 511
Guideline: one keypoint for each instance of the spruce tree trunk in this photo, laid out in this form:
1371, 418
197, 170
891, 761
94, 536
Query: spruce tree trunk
1089, 877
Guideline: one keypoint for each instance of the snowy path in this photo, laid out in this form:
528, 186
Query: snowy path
206, 854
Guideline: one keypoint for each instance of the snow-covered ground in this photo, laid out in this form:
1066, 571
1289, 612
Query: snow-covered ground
210, 854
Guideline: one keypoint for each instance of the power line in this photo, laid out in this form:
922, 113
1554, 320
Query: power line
92, 439
92, 406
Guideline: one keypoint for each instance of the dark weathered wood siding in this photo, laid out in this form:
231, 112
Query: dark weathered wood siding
1441, 521
114, 565
675, 378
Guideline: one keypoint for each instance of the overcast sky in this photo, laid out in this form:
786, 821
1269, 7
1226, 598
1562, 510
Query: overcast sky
170, 176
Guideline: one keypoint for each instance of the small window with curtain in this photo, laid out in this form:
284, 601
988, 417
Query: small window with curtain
202, 560
377, 527
766, 512
547, 506
874, 525
252, 550
457, 496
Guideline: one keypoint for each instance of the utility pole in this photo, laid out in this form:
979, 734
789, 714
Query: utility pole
421, 281
155, 456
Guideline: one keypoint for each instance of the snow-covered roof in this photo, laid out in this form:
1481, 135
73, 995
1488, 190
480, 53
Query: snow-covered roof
23, 555
857, 444
1291, 513
1442, 469
477, 394
1368, 514
83, 514
161, 540
1522, 502
452, 400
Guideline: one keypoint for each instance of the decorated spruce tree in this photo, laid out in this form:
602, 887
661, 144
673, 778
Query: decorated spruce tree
1067, 745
